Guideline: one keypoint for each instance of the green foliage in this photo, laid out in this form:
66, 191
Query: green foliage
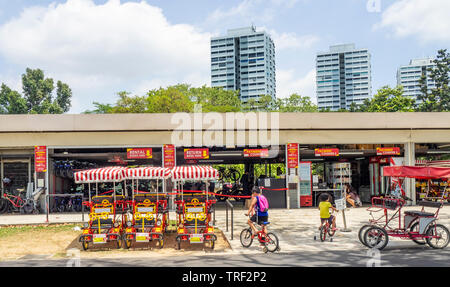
183, 98
11, 102
292, 104
387, 100
438, 98
37, 96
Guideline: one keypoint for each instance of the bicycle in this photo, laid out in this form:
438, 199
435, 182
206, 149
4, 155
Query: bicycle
326, 229
230, 173
269, 240
17, 203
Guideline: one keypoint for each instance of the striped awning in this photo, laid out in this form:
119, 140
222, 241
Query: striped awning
148, 173
105, 174
196, 172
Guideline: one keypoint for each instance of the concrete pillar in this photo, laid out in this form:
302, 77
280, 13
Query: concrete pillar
410, 160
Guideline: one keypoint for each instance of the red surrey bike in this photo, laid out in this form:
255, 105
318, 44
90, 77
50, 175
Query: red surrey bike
420, 226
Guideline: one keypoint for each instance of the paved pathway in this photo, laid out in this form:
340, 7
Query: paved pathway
295, 228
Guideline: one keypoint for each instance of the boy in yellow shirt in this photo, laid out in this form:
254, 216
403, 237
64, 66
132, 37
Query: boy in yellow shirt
324, 207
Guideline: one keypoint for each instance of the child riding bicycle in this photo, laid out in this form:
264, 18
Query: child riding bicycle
259, 209
324, 207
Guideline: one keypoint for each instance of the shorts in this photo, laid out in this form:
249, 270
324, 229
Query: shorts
261, 219
329, 219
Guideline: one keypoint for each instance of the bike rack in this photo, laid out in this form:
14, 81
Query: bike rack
229, 205
47, 202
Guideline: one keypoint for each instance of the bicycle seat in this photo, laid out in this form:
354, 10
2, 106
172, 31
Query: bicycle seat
265, 223
419, 213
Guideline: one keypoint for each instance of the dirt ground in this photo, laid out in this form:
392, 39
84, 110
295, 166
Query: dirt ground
46, 242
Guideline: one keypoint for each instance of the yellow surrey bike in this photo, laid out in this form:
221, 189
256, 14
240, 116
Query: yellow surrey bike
102, 226
150, 212
106, 211
149, 220
194, 207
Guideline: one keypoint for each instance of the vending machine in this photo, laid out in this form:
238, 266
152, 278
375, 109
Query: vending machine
305, 183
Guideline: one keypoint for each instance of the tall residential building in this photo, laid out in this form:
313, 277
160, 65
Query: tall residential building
408, 76
244, 60
343, 77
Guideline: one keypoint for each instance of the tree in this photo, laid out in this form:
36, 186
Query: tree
216, 99
296, 103
37, 96
11, 102
292, 104
178, 98
438, 98
388, 100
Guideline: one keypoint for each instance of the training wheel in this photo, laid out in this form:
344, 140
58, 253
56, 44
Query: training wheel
331, 239
315, 237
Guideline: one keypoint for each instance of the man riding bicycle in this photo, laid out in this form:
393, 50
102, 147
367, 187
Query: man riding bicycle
259, 216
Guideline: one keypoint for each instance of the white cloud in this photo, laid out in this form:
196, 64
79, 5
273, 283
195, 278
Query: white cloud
257, 11
289, 40
428, 20
99, 48
289, 83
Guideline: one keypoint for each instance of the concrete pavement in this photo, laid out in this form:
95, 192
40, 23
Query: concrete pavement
295, 229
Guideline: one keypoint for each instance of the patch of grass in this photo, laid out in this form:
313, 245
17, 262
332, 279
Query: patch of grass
6, 231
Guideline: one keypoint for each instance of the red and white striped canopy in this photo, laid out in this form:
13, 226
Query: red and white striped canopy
195, 172
148, 173
105, 174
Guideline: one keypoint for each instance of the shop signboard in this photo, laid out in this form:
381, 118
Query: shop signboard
326, 152
388, 151
292, 155
139, 153
169, 155
40, 158
196, 153
261, 153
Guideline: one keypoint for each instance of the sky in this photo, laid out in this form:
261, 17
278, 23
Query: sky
102, 47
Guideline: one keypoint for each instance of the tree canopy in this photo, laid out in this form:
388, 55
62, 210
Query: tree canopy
436, 99
37, 97
387, 100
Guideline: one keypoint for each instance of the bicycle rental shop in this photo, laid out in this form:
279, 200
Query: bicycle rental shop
291, 174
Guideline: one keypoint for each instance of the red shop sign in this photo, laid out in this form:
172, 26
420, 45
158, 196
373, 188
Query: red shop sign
326, 152
256, 153
292, 155
40, 158
169, 156
139, 153
196, 153
388, 151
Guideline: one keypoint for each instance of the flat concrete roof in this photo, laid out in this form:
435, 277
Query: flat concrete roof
168, 122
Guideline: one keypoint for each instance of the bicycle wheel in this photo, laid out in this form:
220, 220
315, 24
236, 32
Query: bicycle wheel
271, 242
415, 228
3, 205
246, 237
443, 236
361, 233
376, 237
323, 233
234, 175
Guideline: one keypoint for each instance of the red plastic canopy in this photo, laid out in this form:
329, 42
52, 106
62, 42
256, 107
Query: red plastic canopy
420, 172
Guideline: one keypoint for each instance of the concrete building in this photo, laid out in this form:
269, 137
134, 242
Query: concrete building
104, 138
343, 77
408, 76
244, 60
